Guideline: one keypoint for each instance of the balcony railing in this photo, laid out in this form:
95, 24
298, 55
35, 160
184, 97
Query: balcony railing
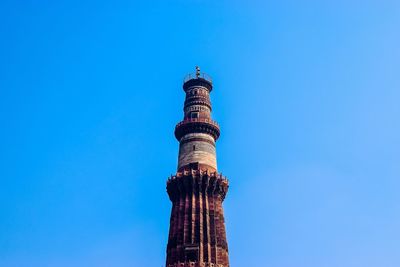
190, 120
202, 75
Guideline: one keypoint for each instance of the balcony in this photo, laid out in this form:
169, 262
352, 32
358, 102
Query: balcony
197, 79
202, 75
197, 125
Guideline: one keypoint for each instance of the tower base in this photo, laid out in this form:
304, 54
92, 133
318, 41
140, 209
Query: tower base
197, 236
196, 264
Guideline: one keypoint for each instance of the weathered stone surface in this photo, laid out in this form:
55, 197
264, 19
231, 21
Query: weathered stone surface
197, 226
197, 147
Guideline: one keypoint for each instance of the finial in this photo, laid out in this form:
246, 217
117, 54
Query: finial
197, 71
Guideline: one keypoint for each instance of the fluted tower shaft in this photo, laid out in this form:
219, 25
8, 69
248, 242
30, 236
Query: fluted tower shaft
197, 234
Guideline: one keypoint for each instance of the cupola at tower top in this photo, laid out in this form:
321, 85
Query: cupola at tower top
197, 79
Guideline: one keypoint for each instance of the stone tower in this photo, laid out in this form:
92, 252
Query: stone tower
197, 230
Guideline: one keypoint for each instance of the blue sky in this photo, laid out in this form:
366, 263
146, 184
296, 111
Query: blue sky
306, 93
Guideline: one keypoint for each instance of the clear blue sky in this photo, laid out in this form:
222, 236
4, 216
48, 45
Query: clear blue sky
306, 92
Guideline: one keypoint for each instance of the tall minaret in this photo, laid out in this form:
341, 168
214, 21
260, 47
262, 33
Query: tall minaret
197, 235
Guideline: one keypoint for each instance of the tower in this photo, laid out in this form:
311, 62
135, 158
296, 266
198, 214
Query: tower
197, 236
